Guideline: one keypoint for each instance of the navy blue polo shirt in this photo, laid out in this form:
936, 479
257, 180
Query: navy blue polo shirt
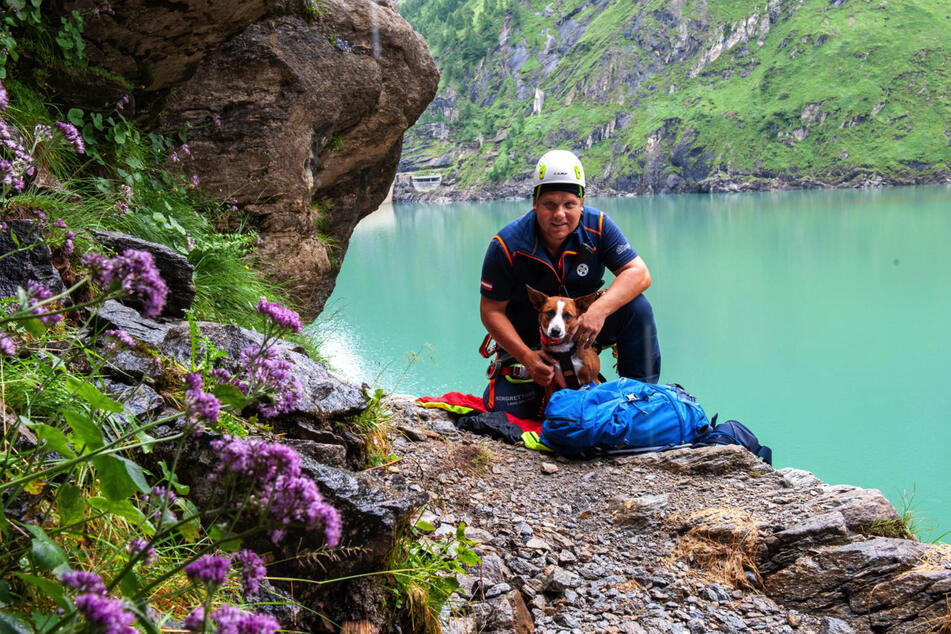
516, 258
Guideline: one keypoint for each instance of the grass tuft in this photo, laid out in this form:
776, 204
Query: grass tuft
722, 543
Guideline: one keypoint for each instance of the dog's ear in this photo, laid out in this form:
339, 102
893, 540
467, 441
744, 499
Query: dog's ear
583, 303
537, 298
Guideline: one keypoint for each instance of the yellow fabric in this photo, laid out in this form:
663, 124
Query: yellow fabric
455, 409
531, 441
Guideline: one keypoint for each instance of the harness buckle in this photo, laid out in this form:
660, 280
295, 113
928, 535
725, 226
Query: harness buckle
488, 347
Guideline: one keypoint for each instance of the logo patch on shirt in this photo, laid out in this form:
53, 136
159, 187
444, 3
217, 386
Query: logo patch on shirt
622, 248
582, 269
486, 285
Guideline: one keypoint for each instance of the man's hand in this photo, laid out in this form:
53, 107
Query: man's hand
540, 366
589, 325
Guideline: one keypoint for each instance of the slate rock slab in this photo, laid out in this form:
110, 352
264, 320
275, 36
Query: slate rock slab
884, 582
33, 264
174, 268
324, 396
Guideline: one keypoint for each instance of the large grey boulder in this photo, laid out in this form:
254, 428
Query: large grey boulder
324, 395
174, 268
31, 264
882, 584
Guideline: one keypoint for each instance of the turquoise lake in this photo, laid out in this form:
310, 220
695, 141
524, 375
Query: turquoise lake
821, 319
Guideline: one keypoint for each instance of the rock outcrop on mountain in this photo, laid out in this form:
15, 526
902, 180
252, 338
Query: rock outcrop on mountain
295, 111
691, 96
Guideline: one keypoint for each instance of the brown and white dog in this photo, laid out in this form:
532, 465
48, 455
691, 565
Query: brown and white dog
557, 321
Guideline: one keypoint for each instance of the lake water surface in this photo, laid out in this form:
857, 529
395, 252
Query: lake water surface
819, 319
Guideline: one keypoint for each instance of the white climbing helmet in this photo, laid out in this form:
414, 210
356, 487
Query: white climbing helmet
558, 166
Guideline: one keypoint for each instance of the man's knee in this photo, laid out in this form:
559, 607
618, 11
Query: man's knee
521, 400
633, 329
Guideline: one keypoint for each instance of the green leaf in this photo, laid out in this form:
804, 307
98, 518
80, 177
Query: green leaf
46, 553
75, 116
129, 585
70, 504
5, 596
189, 530
10, 624
230, 395
96, 120
55, 439
468, 557
425, 527
124, 509
34, 326
220, 532
48, 587
146, 440
181, 489
114, 480
84, 430
119, 136
91, 394
134, 162
117, 479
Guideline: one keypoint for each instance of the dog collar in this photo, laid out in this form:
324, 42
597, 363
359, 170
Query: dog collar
553, 341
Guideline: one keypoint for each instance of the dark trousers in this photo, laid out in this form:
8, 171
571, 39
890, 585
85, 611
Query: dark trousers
631, 327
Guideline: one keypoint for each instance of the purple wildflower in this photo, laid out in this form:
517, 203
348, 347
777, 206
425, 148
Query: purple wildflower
37, 293
123, 102
221, 374
7, 347
231, 620
122, 337
137, 274
272, 472
20, 162
160, 500
270, 380
200, 405
122, 205
189, 244
281, 316
252, 572
195, 180
72, 135
160, 495
195, 621
209, 569
4, 101
42, 133
139, 545
60, 223
174, 157
108, 614
84, 582
185, 149
217, 120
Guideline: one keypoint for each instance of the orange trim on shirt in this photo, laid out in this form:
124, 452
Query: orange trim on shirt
504, 248
548, 264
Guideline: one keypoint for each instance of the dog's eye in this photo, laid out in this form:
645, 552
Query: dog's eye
569, 317
550, 314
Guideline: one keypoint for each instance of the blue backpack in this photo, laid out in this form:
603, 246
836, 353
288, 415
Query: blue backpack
621, 415
733, 432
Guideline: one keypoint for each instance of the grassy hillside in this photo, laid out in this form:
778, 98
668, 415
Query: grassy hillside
687, 95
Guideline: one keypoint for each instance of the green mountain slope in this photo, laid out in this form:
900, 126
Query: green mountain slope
685, 95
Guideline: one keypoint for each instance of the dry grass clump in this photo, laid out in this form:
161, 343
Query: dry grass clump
722, 543
473, 458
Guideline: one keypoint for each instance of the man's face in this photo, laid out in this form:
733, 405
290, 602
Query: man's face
558, 214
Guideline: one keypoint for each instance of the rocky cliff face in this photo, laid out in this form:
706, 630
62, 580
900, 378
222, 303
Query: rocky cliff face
298, 115
691, 96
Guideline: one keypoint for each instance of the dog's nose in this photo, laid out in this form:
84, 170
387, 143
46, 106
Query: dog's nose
555, 332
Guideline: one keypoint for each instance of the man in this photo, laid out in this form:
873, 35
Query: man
562, 247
